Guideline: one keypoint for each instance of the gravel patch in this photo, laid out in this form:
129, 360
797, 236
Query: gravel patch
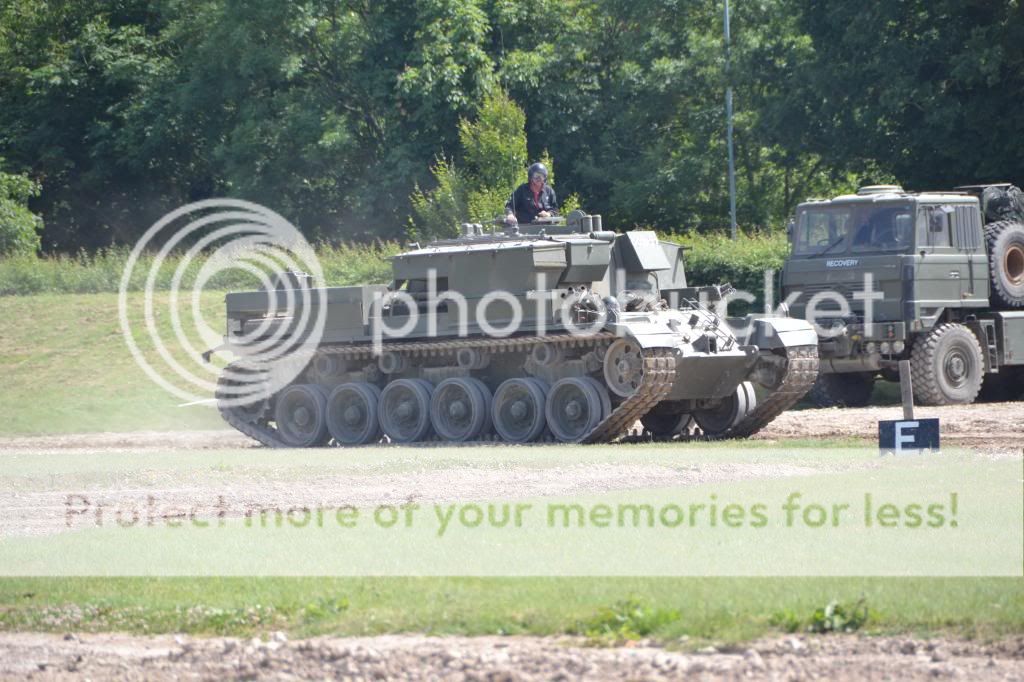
417, 657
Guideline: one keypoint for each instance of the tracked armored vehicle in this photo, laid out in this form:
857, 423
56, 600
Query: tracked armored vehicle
558, 331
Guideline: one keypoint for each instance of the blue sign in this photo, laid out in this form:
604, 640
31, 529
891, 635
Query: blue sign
908, 436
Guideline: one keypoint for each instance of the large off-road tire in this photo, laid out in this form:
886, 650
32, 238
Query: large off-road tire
1006, 262
852, 389
1003, 203
946, 366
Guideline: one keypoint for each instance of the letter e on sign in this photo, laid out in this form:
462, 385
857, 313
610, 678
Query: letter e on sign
903, 436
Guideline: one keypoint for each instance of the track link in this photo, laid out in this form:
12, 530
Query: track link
801, 372
658, 377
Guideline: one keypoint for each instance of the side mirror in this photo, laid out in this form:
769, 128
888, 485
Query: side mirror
790, 229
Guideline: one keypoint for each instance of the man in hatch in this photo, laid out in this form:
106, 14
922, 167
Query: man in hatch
533, 199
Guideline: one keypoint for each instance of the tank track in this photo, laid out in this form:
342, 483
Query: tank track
801, 372
258, 430
658, 378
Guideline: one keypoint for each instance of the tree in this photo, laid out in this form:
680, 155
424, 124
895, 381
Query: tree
927, 90
19, 227
493, 158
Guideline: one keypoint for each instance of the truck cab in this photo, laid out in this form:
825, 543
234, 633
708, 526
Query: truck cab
880, 271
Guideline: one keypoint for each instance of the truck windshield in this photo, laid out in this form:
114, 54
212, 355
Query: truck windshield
854, 228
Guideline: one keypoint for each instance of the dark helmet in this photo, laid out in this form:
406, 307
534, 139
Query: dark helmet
538, 168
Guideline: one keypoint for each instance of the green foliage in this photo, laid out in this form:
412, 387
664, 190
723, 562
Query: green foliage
19, 227
786, 620
494, 145
493, 158
440, 211
716, 259
834, 617
837, 617
628, 619
332, 111
730, 610
927, 91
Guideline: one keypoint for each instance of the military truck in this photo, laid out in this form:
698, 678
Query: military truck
936, 278
574, 333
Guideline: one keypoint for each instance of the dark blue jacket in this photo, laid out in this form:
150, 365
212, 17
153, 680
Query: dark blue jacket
521, 202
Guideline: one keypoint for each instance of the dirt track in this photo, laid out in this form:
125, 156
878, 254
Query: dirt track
985, 425
994, 428
51, 657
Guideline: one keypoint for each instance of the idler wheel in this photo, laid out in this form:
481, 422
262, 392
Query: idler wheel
518, 409
242, 394
352, 413
624, 367
404, 412
301, 416
460, 409
575, 407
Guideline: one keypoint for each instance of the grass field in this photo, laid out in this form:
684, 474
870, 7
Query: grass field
65, 369
720, 609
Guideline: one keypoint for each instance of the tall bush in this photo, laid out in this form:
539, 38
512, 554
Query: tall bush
492, 162
19, 227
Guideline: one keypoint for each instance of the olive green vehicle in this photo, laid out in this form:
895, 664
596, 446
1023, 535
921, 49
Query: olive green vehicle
946, 270
595, 348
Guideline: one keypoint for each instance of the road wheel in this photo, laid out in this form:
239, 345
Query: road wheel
575, 407
460, 409
667, 420
517, 409
842, 390
1006, 262
352, 413
718, 420
624, 367
946, 366
405, 410
301, 416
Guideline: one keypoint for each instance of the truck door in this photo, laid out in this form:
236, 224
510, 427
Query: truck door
968, 242
940, 269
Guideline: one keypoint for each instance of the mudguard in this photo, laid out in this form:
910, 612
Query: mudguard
770, 333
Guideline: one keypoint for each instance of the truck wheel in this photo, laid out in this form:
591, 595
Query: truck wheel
851, 389
946, 366
1006, 262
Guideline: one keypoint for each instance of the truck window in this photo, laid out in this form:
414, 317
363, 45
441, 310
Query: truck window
888, 228
820, 230
933, 226
967, 228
